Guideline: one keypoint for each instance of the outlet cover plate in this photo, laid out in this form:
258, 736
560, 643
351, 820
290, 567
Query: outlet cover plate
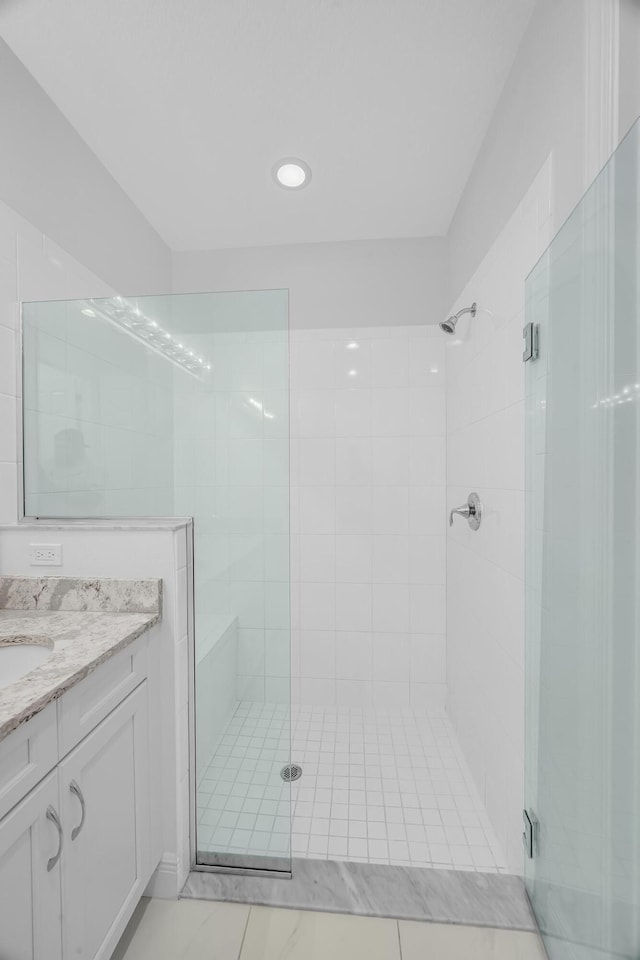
45, 554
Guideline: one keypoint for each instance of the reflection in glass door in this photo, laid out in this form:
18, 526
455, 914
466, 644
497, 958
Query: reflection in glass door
582, 575
179, 406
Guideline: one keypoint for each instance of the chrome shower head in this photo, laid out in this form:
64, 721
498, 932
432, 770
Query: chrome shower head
449, 326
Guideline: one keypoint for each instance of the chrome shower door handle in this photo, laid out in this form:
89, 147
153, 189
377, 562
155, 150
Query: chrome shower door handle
471, 511
77, 792
55, 819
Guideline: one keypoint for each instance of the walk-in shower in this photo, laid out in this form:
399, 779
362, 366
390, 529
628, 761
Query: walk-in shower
333, 661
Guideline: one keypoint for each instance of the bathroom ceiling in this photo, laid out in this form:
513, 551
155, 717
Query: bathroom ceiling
189, 103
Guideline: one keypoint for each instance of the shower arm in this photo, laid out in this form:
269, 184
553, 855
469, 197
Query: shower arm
473, 309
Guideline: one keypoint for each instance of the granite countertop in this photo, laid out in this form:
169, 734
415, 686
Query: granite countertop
83, 622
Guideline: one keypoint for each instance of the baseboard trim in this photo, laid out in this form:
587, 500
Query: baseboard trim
166, 881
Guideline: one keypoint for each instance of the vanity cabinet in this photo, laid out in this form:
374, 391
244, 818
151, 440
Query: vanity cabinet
29, 892
78, 851
104, 800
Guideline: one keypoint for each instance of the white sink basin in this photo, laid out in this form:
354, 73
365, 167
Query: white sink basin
20, 655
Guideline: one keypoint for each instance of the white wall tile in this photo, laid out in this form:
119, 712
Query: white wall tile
317, 691
368, 503
353, 510
428, 658
391, 694
391, 610
353, 558
8, 433
391, 657
427, 510
8, 360
427, 559
390, 460
317, 461
318, 654
353, 655
316, 414
352, 363
353, 606
427, 461
391, 559
390, 510
390, 412
428, 608
317, 509
317, 558
390, 363
317, 606
353, 460
427, 362
312, 365
250, 652
353, 413
354, 693
427, 411
485, 589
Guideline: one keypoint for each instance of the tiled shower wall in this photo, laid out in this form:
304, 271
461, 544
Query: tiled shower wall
485, 569
368, 516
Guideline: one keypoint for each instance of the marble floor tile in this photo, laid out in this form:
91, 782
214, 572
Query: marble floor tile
365, 889
295, 935
436, 941
184, 930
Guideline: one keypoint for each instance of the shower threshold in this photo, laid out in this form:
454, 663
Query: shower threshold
403, 893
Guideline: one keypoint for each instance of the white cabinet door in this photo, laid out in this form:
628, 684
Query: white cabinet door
30, 842
104, 799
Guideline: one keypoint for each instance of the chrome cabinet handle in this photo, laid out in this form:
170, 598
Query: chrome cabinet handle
77, 792
471, 511
55, 819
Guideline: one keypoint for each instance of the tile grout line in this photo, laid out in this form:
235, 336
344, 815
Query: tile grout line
244, 932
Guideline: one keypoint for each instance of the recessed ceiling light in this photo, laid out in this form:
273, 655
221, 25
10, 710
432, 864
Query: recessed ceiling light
291, 173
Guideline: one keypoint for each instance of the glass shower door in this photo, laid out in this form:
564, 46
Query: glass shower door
178, 406
582, 575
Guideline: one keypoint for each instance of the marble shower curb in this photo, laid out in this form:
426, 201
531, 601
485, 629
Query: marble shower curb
378, 890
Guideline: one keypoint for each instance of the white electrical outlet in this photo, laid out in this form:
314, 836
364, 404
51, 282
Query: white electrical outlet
45, 554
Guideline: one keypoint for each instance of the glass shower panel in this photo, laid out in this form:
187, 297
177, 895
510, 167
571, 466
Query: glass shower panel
582, 575
179, 406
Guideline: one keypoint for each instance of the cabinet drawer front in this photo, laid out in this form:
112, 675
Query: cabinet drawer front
26, 756
85, 705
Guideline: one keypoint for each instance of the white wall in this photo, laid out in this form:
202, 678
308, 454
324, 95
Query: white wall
542, 110
629, 66
367, 520
365, 283
485, 568
50, 176
61, 202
